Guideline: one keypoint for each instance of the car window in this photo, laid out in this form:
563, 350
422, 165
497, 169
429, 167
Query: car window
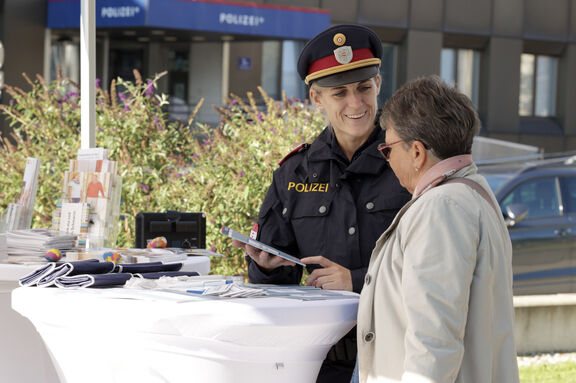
539, 195
570, 190
496, 181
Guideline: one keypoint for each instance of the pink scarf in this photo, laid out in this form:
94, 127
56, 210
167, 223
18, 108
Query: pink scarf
439, 172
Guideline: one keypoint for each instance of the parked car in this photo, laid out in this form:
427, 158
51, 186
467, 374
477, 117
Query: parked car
538, 201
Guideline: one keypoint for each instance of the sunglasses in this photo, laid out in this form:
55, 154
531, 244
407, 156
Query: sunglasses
385, 149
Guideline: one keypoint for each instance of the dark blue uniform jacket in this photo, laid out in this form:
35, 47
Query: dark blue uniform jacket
320, 203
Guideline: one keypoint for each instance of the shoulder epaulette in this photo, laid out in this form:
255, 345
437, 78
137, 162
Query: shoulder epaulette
300, 148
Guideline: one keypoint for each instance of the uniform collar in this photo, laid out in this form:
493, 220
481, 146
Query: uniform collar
367, 159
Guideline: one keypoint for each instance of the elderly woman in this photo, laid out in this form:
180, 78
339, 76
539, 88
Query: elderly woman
436, 305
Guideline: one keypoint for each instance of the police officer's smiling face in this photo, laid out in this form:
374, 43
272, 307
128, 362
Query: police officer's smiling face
350, 108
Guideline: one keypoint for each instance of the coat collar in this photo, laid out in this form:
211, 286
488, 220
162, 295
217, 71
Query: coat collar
440, 172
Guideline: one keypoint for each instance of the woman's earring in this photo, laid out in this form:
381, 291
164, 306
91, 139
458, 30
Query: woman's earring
416, 170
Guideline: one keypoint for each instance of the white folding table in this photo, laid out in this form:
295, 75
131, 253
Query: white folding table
124, 335
24, 355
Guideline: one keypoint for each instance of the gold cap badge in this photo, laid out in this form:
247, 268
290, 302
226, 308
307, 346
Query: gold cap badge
339, 39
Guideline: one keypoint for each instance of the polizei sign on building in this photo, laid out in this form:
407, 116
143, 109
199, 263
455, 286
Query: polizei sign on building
196, 15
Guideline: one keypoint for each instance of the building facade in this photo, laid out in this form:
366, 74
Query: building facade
516, 59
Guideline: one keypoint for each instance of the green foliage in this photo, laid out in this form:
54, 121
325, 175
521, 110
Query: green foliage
564, 372
222, 171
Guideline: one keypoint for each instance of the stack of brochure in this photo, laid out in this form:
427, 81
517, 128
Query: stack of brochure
33, 243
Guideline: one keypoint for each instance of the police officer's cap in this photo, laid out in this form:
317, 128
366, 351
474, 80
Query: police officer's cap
340, 55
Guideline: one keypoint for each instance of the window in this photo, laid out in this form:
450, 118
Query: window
291, 82
538, 77
540, 196
461, 67
271, 53
570, 194
65, 57
388, 69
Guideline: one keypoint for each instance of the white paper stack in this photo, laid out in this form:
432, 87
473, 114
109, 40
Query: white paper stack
35, 242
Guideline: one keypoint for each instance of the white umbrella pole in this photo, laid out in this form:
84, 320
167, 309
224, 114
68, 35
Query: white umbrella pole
88, 73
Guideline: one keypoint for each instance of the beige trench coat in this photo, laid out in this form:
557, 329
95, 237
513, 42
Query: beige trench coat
436, 305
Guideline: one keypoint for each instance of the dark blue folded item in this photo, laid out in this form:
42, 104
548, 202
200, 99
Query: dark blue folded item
118, 268
151, 267
37, 274
157, 275
92, 280
75, 268
42, 271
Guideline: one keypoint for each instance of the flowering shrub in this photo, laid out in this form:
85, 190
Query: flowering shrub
223, 171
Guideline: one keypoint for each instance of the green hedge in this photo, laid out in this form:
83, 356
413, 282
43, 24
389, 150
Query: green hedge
222, 171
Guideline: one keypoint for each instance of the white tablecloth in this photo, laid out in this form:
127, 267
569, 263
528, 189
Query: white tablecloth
24, 356
13, 272
120, 335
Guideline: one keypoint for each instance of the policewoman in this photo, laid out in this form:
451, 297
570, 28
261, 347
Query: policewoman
332, 199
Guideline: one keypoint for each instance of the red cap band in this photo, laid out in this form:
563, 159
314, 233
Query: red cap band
330, 61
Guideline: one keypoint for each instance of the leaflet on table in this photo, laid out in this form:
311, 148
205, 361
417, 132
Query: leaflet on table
35, 242
252, 242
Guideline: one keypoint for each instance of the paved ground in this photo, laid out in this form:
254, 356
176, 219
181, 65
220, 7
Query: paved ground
547, 358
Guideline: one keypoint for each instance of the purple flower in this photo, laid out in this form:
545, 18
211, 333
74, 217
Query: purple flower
98, 83
260, 118
233, 102
126, 107
179, 175
158, 124
196, 155
149, 89
72, 94
122, 96
145, 188
213, 249
242, 173
100, 129
295, 131
207, 143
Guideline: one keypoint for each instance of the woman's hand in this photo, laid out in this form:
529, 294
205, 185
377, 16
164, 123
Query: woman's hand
331, 276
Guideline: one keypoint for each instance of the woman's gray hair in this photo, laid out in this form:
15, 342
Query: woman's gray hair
434, 113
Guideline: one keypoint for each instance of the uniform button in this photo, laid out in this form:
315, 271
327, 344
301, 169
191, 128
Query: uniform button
370, 205
368, 279
284, 211
315, 175
322, 209
337, 185
369, 337
352, 230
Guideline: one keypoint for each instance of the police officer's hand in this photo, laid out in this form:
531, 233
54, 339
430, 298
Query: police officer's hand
331, 276
266, 261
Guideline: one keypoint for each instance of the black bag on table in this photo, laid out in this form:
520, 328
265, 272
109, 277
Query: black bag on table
182, 230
